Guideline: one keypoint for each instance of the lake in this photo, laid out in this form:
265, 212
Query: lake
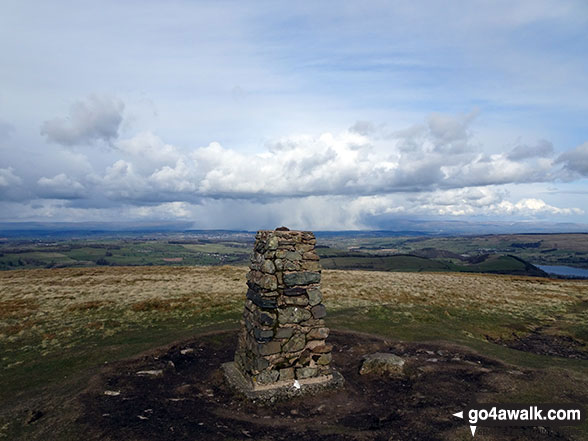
568, 271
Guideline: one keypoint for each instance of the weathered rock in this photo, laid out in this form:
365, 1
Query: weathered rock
314, 296
260, 364
310, 265
306, 372
297, 291
269, 282
151, 373
301, 278
278, 263
272, 243
297, 301
295, 344
293, 314
293, 255
268, 267
286, 374
268, 376
261, 301
289, 265
263, 335
318, 333
318, 311
266, 319
324, 359
284, 332
272, 347
310, 256
381, 363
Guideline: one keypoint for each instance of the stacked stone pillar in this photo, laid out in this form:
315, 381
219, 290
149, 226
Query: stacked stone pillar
283, 332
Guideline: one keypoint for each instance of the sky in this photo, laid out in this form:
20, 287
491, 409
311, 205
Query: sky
327, 115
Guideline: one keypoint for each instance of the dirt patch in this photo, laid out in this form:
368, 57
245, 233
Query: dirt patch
179, 393
539, 342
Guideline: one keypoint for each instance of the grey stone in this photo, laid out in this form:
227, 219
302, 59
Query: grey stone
314, 296
304, 247
295, 344
268, 267
151, 373
262, 335
298, 300
260, 364
318, 333
269, 282
310, 255
286, 374
266, 319
301, 278
278, 263
297, 291
293, 314
306, 372
324, 359
262, 302
267, 376
310, 265
284, 332
293, 255
289, 265
272, 243
318, 311
382, 363
280, 254
272, 347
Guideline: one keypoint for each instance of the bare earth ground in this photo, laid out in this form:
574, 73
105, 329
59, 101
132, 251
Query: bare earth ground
65, 331
190, 400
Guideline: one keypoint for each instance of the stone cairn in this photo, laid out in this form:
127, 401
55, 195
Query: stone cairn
283, 332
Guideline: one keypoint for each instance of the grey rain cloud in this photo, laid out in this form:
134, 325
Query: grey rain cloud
97, 118
576, 160
6, 130
543, 148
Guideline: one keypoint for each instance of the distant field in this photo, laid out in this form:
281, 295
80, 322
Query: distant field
495, 254
57, 325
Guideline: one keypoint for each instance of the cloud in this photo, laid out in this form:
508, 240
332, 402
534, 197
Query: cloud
8, 178
363, 128
576, 160
342, 164
450, 133
90, 121
6, 130
530, 207
541, 149
10, 185
60, 187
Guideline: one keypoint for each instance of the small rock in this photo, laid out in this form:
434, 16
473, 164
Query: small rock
382, 363
112, 393
187, 351
151, 373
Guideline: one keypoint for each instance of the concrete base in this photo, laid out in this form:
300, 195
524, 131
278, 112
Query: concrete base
280, 389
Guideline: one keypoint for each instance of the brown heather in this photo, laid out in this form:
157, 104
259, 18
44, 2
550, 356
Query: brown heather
60, 303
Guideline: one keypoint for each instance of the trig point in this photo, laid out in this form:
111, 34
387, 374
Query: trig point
282, 348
